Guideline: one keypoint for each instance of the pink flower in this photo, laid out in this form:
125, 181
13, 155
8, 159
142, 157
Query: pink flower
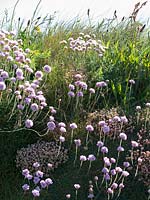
35, 193
123, 136
89, 128
134, 144
47, 68
2, 86
28, 123
76, 186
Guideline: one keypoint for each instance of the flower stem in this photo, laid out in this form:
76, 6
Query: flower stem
59, 149
71, 138
76, 195
89, 167
136, 172
76, 155
87, 136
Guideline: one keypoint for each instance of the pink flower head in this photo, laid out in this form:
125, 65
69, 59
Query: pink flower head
112, 160
121, 185
106, 129
120, 149
77, 142
107, 177
89, 128
25, 172
19, 72
20, 106
100, 144
78, 76
138, 108
140, 160
39, 174
34, 107
73, 126
28, 123
29, 176
91, 157
80, 94
51, 125
101, 84
83, 158
61, 124
114, 186
118, 169
62, 129
104, 149
92, 90
38, 74
2, 86
123, 136
113, 172
62, 139
101, 123
48, 181
36, 180
25, 187
68, 196
71, 94
76, 186
126, 164
125, 173
117, 119
36, 164
36, 193
71, 87
43, 184
124, 119
131, 81
47, 68
105, 170
134, 144
5, 74
83, 85
147, 104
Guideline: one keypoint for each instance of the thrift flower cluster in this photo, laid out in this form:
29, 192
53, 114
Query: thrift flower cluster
110, 121
37, 179
16, 86
79, 88
85, 43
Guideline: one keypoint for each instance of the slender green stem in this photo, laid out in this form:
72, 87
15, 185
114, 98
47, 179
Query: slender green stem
76, 195
81, 163
87, 137
96, 183
89, 167
118, 155
132, 155
138, 117
98, 151
119, 192
76, 153
71, 140
147, 117
136, 172
59, 149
